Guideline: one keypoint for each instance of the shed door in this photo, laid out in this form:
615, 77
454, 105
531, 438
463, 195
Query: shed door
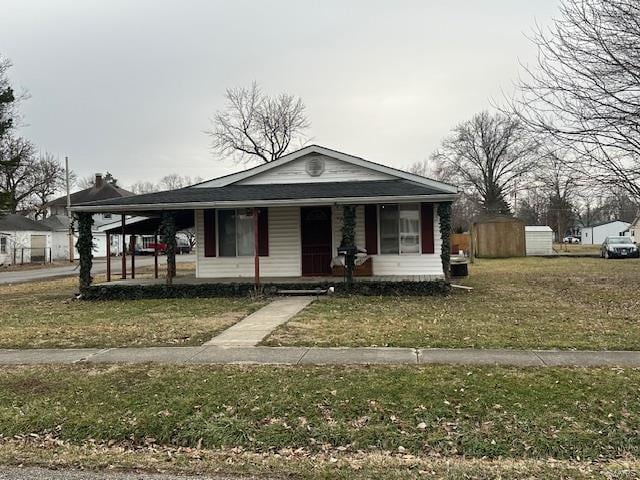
38, 248
316, 240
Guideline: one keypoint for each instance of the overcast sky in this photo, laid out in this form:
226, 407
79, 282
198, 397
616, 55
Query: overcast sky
130, 86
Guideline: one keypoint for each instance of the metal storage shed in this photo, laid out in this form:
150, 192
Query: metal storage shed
538, 240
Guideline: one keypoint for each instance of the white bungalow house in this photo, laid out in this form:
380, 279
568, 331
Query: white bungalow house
290, 212
23, 240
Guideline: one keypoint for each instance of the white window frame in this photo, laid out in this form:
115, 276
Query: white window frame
147, 241
217, 233
4, 243
419, 252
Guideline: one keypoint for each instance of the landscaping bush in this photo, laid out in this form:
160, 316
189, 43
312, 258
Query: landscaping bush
206, 290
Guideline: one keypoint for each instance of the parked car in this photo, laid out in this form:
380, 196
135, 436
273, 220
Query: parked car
182, 246
619, 247
150, 248
570, 239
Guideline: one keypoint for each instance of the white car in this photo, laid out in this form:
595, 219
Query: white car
570, 239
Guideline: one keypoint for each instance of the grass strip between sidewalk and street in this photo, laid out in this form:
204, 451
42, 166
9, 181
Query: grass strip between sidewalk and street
475, 412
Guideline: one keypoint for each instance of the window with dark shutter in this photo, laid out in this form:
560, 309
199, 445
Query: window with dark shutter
209, 233
371, 229
263, 232
426, 219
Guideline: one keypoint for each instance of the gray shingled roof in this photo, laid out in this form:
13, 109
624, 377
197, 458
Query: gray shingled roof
294, 191
92, 194
18, 223
56, 222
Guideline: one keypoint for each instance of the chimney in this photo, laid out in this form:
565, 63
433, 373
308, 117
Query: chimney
98, 182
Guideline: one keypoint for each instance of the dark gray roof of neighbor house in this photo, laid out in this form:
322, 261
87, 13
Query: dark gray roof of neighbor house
293, 191
13, 223
56, 222
93, 194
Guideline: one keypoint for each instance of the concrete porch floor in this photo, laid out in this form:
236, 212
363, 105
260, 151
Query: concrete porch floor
192, 280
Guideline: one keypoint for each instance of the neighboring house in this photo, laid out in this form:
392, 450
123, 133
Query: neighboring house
538, 240
58, 219
634, 229
299, 201
23, 240
596, 234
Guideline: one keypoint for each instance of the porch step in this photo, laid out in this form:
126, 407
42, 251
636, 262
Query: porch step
317, 291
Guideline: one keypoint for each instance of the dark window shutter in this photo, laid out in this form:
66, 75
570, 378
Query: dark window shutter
209, 233
426, 219
263, 232
371, 229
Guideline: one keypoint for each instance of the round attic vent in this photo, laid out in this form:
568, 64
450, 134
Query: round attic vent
315, 166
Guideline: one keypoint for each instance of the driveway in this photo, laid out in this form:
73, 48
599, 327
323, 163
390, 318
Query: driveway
99, 266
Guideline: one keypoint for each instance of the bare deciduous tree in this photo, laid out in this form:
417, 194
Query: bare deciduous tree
142, 186
174, 181
257, 126
49, 178
585, 89
26, 178
560, 184
487, 155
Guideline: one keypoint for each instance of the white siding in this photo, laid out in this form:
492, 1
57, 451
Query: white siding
20, 241
413, 264
596, 235
539, 242
334, 171
284, 250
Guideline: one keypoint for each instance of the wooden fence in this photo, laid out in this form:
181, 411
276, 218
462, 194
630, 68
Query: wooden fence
498, 237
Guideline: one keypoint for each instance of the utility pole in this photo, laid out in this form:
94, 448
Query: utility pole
71, 246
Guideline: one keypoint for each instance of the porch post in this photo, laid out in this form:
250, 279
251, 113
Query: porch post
155, 255
124, 250
108, 257
256, 254
132, 243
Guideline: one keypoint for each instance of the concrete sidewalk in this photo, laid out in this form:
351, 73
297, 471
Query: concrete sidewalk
321, 356
252, 329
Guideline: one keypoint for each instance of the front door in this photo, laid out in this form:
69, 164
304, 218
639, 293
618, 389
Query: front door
316, 240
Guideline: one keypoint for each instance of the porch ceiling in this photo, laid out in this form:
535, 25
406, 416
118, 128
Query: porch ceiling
151, 226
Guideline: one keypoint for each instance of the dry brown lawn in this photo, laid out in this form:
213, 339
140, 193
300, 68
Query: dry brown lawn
45, 314
566, 303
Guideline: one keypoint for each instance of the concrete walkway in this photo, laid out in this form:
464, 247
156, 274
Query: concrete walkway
252, 329
321, 356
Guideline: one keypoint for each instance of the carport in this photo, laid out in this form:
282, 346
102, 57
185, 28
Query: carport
145, 226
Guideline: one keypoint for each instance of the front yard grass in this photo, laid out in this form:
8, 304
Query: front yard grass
45, 315
249, 418
565, 303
